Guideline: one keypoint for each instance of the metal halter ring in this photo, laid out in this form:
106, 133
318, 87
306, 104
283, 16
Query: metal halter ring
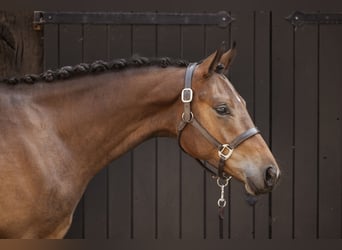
223, 184
190, 118
225, 151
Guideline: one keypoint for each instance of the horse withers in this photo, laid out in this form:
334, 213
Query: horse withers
60, 128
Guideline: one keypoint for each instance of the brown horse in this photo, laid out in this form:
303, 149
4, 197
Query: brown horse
56, 136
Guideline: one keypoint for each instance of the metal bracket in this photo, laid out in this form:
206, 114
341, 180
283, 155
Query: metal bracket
222, 19
298, 18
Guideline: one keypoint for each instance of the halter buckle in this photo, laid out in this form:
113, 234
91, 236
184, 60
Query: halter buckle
225, 151
187, 95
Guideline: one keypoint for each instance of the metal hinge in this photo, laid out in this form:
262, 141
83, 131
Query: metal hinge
298, 18
221, 18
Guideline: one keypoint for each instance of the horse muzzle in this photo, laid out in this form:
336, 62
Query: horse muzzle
263, 182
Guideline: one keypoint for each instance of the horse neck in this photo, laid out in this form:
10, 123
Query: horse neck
100, 117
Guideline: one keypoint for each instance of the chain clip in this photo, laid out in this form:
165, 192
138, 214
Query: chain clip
222, 202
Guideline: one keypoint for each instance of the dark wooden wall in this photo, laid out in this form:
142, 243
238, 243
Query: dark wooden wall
291, 78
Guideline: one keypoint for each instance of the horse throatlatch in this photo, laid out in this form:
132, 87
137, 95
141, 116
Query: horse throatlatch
224, 151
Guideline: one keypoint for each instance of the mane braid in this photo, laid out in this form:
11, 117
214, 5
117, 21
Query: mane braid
96, 67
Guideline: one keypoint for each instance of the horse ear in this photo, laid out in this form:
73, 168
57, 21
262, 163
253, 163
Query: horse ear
208, 66
228, 57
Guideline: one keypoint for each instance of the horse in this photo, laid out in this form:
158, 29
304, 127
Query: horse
58, 129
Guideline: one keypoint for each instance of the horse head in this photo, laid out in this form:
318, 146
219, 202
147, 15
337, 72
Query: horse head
222, 131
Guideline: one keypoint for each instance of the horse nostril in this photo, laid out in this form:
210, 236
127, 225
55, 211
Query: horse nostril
270, 176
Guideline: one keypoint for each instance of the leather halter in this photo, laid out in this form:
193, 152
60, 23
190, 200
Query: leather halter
225, 151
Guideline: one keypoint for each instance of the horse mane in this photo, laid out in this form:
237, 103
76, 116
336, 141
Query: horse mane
96, 67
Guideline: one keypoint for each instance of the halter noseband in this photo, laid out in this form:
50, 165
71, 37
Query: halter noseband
224, 151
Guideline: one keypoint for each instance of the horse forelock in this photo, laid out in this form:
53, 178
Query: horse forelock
95, 67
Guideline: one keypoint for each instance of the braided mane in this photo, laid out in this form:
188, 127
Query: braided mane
96, 67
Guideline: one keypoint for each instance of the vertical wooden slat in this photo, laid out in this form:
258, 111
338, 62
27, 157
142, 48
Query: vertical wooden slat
262, 72
144, 156
242, 68
70, 44
69, 49
168, 153
95, 217
119, 41
119, 198
262, 108
192, 181
305, 164
330, 138
213, 38
144, 40
168, 189
51, 46
242, 78
282, 124
119, 172
169, 41
144, 191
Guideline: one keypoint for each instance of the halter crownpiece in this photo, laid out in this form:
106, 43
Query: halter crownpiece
224, 151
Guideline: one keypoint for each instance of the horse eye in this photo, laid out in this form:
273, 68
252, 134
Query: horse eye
222, 109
